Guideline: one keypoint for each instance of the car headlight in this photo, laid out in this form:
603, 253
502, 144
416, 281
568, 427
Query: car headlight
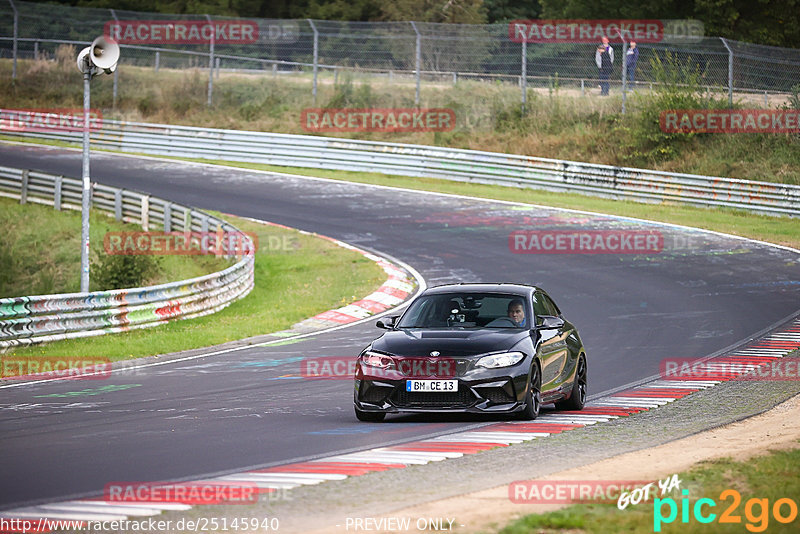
376, 359
503, 359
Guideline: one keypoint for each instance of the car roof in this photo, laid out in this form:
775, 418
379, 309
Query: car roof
516, 289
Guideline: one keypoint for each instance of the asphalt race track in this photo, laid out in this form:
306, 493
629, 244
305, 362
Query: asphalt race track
702, 293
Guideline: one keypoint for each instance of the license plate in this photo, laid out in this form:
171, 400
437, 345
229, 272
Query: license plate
432, 386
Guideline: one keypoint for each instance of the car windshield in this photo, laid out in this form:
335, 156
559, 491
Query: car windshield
466, 310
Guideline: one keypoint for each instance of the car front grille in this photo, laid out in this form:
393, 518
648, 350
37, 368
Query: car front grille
453, 399
496, 395
375, 394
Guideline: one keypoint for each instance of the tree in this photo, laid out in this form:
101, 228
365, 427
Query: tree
450, 11
508, 10
772, 22
643, 9
357, 10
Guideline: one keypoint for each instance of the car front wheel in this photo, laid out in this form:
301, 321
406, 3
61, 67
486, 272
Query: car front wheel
533, 400
577, 398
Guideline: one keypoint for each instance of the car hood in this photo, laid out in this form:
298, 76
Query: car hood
448, 342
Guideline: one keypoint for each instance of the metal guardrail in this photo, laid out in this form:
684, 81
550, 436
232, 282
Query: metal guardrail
437, 162
430, 51
36, 319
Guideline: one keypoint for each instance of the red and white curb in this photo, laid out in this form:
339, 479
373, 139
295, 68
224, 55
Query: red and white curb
398, 286
762, 352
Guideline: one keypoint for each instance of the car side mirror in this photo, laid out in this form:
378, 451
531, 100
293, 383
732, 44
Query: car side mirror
550, 322
387, 323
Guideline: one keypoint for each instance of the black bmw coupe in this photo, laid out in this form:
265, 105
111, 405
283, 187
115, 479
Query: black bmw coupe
480, 348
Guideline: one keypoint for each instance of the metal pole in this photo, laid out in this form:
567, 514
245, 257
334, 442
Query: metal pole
524, 75
730, 73
87, 184
418, 60
116, 71
316, 58
16, 35
624, 73
158, 60
210, 63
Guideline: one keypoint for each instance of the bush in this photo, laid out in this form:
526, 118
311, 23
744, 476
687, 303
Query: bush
679, 87
346, 95
794, 98
118, 271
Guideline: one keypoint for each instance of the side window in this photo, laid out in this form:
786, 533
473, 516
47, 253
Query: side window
539, 306
551, 307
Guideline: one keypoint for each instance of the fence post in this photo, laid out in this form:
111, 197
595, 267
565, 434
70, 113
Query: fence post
210, 63
218, 66
36, 50
16, 36
23, 194
524, 75
583, 88
316, 58
146, 213
116, 71
730, 72
57, 193
418, 60
167, 217
158, 60
624, 73
118, 204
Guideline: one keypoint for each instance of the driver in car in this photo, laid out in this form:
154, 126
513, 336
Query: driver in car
516, 312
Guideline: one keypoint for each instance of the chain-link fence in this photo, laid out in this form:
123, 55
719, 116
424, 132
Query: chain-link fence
417, 52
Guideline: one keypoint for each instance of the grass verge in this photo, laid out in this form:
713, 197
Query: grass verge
296, 277
40, 252
559, 121
772, 229
778, 230
760, 482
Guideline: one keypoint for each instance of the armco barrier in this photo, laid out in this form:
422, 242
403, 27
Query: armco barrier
27, 320
436, 162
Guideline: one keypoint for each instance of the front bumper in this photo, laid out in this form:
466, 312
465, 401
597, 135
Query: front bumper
499, 394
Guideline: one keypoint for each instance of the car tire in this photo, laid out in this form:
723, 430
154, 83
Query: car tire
533, 400
577, 397
370, 417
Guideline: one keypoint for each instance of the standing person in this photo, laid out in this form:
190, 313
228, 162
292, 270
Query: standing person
604, 58
630, 61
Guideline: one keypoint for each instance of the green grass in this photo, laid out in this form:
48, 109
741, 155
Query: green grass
778, 230
310, 276
562, 126
772, 476
772, 229
40, 251
558, 124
